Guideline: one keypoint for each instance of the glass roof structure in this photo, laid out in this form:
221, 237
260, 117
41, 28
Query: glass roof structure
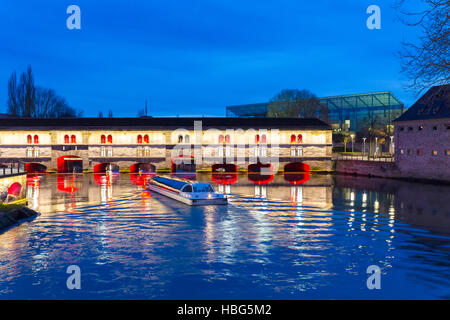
348, 109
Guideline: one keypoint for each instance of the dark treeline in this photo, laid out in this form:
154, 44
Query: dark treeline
25, 99
297, 104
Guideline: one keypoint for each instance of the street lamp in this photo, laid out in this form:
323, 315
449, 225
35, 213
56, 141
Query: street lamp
364, 147
376, 145
391, 146
353, 137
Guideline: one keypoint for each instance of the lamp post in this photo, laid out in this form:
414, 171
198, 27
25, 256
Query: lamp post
364, 146
353, 138
391, 145
376, 145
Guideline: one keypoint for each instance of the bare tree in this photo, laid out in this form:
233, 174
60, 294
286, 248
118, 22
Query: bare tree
25, 99
426, 61
296, 104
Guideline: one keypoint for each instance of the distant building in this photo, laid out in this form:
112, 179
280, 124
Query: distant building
77, 144
422, 136
346, 112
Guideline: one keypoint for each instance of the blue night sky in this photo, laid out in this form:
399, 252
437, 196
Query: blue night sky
195, 57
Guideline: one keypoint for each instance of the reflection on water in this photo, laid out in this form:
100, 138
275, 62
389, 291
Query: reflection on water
293, 236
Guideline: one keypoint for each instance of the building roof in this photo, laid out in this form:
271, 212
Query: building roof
350, 102
362, 101
162, 123
434, 104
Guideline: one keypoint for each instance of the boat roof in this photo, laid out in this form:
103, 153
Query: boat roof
176, 182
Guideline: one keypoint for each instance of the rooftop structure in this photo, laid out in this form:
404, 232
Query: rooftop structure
346, 112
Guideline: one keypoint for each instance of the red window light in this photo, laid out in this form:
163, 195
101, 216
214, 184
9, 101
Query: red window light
146, 139
293, 138
66, 139
263, 138
221, 138
299, 138
109, 138
103, 139
139, 139
257, 138
73, 139
29, 139
36, 138
227, 138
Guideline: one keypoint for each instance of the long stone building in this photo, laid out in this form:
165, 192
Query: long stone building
146, 143
422, 137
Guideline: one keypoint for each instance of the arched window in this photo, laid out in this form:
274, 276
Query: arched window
66, 139
29, 139
103, 139
36, 138
263, 138
221, 138
73, 139
186, 138
139, 139
299, 138
147, 151
146, 139
293, 138
257, 138
227, 138
180, 139
109, 138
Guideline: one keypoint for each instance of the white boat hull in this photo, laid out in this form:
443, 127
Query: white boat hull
191, 202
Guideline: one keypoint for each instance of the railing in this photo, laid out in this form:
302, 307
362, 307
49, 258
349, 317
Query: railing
364, 157
13, 168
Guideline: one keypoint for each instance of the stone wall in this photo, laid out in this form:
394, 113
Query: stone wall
423, 148
384, 170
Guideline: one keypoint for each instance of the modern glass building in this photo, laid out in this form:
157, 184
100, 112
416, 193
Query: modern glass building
346, 112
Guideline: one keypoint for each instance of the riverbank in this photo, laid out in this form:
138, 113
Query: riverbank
384, 170
15, 216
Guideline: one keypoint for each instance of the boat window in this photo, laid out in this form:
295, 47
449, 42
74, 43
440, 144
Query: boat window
187, 188
203, 187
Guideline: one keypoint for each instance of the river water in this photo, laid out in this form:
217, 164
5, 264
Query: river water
300, 237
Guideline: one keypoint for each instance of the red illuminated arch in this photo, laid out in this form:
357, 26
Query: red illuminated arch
221, 138
29, 139
299, 138
36, 138
66, 139
103, 139
73, 139
146, 139
296, 167
139, 139
293, 138
110, 139
224, 178
227, 138
15, 189
257, 138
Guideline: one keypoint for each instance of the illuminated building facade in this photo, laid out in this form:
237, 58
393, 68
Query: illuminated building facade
148, 144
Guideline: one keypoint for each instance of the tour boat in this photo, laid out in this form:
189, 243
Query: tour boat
189, 192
